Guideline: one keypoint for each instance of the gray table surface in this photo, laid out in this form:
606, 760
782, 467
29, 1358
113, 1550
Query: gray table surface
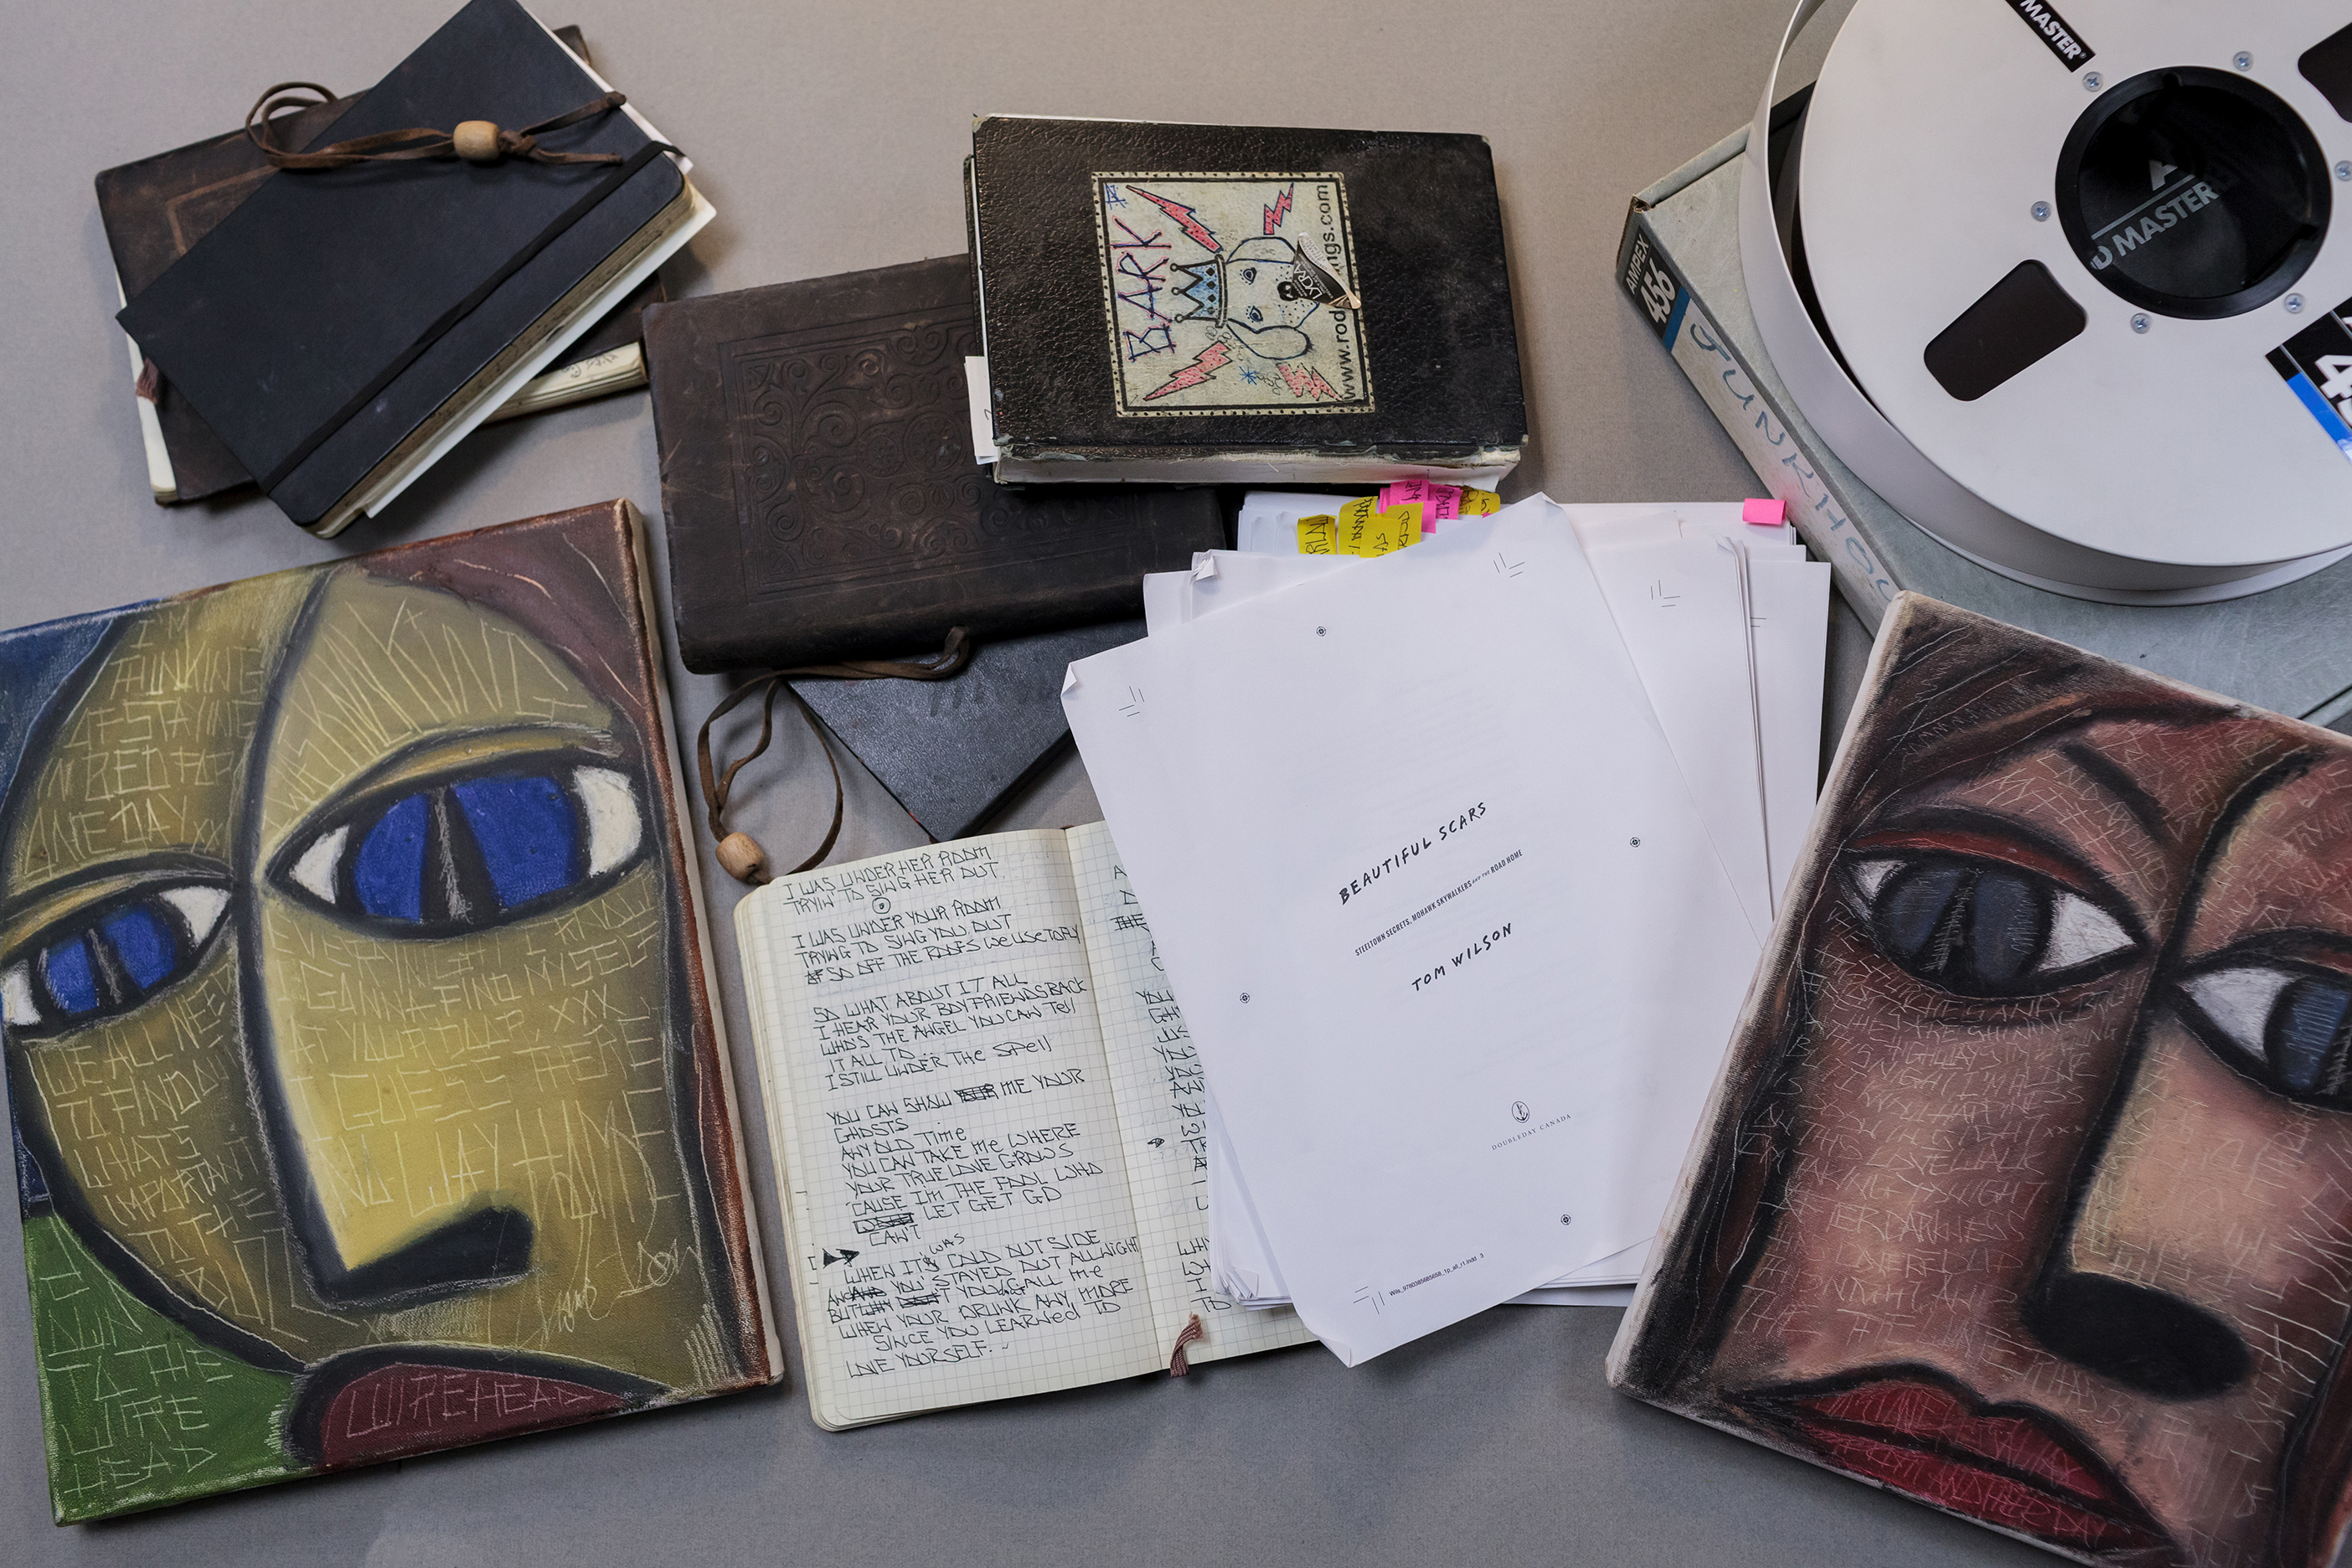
830, 138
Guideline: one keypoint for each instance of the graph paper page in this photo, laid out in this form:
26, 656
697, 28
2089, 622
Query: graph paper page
963, 1229
1155, 1076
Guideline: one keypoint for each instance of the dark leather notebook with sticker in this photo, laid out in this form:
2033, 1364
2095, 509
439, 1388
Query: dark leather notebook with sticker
821, 494
340, 327
154, 209
1242, 304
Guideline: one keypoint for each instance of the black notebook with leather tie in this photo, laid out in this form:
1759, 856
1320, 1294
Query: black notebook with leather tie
154, 209
343, 326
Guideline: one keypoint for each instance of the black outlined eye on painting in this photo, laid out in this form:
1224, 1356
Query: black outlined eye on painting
103, 962
2285, 1024
471, 848
1983, 927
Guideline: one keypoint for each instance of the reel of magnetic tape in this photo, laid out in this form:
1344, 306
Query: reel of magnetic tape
2074, 294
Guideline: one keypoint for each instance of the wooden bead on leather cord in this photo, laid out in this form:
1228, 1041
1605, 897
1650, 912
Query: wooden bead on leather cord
740, 856
476, 140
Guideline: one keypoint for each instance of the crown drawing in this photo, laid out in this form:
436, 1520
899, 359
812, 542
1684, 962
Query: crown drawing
1205, 289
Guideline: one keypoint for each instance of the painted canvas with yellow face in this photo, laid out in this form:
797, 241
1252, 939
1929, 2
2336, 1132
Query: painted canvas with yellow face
2027, 1188
365, 1090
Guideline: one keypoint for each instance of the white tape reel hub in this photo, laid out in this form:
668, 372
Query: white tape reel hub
2062, 269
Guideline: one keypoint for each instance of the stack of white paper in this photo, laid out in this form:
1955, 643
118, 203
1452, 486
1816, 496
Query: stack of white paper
1460, 928
1728, 624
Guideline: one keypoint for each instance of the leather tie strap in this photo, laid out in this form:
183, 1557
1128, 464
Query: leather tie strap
739, 853
476, 140
1179, 1364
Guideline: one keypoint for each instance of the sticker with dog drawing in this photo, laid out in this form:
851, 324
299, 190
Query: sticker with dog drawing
1232, 294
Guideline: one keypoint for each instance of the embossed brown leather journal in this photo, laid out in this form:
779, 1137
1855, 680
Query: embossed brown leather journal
822, 499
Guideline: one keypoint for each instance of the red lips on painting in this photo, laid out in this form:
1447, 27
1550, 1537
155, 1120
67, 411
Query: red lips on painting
2009, 1466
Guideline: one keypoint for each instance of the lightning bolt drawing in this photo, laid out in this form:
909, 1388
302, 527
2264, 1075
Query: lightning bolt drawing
1308, 383
1206, 364
1183, 216
1280, 210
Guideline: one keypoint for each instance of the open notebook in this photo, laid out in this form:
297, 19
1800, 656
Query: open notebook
990, 1121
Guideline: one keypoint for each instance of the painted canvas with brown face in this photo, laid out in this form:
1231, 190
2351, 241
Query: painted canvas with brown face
2027, 1188
365, 1092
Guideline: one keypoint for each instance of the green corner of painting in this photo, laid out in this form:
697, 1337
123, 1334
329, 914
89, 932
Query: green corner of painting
136, 1411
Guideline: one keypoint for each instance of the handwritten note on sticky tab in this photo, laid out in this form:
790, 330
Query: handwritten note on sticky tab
1318, 535
1363, 528
1444, 502
1392, 530
1478, 503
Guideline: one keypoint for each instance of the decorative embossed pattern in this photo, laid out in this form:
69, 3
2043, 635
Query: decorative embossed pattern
853, 461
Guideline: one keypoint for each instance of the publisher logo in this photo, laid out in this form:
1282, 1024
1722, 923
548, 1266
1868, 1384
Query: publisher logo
2052, 29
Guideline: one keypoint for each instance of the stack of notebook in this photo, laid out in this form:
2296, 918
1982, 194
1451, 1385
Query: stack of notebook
337, 330
154, 209
1333, 305
822, 503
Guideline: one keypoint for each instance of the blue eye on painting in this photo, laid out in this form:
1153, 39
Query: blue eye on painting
460, 854
99, 965
388, 873
72, 979
147, 948
1983, 928
529, 835
2288, 1026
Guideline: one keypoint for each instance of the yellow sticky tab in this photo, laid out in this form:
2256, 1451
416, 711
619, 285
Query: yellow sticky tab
1478, 503
1318, 535
1392, 530
1355, 520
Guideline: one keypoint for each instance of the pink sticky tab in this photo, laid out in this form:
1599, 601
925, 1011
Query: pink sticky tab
1765, 514
1444, 502
1404, 492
